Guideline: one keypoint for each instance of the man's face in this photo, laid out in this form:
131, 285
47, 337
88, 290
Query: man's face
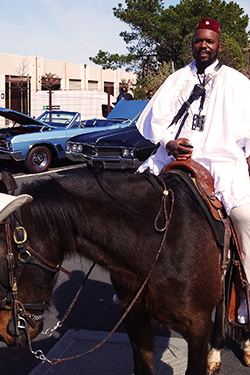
205, 45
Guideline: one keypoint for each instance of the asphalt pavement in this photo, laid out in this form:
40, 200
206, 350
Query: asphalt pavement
115, 356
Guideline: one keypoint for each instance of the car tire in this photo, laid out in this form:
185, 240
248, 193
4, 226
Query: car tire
38, 160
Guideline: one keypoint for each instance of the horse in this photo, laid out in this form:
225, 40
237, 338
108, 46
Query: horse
135, 226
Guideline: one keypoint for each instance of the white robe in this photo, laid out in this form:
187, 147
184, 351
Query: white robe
224, 144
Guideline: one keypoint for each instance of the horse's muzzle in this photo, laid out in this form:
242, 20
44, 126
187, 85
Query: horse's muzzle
17, 336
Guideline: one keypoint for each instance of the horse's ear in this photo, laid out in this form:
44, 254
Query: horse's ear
7, 182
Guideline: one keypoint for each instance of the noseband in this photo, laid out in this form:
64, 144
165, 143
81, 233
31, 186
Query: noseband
21, 317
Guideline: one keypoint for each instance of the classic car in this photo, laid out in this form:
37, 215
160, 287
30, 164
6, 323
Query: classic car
37, 142
114, 149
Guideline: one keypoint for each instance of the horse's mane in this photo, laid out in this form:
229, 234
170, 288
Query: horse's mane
58, 208
121, 200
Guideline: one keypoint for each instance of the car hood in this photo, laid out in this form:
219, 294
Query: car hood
124, 110
115, 137
127, 109
27, 124
18, 117
26, 129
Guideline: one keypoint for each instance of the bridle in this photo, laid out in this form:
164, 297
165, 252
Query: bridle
19, 252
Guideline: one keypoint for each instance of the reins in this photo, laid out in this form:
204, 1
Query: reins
72, 304
164, 229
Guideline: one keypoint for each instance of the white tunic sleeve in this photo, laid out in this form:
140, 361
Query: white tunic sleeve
155, 119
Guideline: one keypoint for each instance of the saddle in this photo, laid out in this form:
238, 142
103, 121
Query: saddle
204, 183
235, 280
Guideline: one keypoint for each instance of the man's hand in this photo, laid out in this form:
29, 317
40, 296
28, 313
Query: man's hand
181, 149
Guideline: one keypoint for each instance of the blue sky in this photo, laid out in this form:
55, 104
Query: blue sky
65, 30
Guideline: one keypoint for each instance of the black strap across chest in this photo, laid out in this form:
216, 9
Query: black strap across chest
197, 92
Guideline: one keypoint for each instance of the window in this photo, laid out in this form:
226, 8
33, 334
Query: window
93, 85
109, 88
75, 84
51, 83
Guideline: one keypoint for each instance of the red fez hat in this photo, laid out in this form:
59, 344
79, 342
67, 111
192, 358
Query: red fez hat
210, 24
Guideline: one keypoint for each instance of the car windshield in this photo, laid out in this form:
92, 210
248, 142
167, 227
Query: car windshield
57, 118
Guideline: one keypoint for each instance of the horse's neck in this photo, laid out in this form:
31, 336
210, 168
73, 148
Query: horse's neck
115, 211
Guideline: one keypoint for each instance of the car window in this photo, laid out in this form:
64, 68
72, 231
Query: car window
56, 119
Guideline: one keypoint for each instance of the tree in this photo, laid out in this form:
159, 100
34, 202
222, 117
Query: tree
159, 34
152, 81
49, 82
21, 82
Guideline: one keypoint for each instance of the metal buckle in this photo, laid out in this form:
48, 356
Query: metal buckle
24, 256
16, 234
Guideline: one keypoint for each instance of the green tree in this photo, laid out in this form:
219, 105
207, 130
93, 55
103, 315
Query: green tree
159, 34
152, 81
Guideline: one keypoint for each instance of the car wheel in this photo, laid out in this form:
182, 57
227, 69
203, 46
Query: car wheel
38, 160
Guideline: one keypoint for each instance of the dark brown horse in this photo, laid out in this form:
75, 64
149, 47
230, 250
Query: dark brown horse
114, 220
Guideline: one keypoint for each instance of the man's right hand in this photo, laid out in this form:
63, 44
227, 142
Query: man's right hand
180, 148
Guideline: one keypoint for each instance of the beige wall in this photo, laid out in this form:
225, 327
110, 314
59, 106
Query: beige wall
86, 101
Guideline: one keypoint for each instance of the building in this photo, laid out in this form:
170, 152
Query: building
88, 89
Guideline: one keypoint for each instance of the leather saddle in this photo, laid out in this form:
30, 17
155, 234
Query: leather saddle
203, 181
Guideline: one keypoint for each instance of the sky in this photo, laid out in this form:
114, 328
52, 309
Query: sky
66, 30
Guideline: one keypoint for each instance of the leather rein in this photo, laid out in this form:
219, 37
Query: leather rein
166, 194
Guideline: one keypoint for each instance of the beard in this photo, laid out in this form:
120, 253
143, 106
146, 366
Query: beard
204, 63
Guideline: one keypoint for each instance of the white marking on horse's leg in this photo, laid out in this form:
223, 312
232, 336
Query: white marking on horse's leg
246, 353
214, 361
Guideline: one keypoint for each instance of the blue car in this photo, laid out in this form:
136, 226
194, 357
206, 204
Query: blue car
37, 142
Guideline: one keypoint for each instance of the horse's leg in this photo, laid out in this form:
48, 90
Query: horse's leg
139, 330
246, 352
217, 343
246, 348
198, 339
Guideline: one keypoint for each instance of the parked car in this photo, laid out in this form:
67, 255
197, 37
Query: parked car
114, 149
37, 142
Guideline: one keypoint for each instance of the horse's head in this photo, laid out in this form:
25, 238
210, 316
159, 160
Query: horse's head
21, 315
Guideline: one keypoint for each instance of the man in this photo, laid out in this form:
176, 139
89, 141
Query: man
124, 95
150, 94
212, 126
